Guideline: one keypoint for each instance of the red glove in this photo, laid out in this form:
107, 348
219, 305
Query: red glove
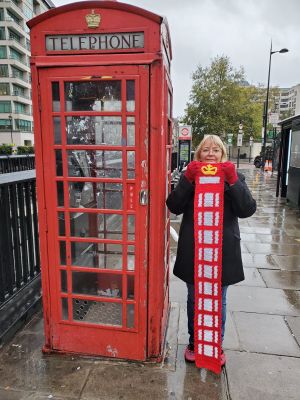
192, 170
229, 172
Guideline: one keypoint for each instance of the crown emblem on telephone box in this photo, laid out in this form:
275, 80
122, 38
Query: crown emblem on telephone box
93, 20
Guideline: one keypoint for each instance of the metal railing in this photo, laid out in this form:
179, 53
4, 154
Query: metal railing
20, 288
15, 163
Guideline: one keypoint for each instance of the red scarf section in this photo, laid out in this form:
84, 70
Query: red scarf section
208, 231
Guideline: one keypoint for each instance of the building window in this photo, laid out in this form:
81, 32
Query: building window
18, 90
4, 89
19, 108
17, 73
14, 36
3, 71
4, 124
12, 17
16, 55
23, 125
5, 107
3, 52
2, 33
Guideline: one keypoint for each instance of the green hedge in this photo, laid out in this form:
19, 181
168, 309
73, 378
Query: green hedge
8, 149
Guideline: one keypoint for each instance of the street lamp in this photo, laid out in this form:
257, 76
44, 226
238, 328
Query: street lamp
11, 128
284, 50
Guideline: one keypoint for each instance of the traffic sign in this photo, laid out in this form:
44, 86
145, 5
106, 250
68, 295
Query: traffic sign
185, 132
239, 139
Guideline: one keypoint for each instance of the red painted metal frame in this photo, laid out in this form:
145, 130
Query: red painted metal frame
148, 67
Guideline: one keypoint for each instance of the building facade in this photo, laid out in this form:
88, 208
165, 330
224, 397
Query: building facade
289, 101
16, 121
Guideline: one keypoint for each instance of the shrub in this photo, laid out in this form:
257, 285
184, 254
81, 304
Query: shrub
25, 150
6, 149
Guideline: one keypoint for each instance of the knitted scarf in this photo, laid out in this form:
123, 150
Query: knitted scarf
208, 231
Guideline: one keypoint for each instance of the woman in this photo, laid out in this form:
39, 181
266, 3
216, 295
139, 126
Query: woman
238, 203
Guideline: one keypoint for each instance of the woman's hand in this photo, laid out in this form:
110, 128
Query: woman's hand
192, 170
229, 172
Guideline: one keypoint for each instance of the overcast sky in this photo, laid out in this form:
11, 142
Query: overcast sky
240, 29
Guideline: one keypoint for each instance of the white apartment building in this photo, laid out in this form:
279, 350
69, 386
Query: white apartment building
289, 101
16, 121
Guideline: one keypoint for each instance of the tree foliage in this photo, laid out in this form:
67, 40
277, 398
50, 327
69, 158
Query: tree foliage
220, 99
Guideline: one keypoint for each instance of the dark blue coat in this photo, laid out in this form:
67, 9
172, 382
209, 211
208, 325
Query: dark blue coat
238, 203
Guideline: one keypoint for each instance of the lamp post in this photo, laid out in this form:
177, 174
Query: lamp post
11, 128
284, 50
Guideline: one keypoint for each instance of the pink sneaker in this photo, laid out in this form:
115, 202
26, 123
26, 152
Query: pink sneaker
189, 354
223, 358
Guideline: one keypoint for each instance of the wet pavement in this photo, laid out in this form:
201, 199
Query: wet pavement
262, 339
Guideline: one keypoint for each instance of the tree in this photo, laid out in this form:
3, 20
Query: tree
220, 99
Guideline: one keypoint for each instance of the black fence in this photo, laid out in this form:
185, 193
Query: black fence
16, 163
20, 286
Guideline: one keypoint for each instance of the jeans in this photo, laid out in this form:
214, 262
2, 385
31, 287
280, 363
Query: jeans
190, 310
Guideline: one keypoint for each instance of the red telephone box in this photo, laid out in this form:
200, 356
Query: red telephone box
102, 100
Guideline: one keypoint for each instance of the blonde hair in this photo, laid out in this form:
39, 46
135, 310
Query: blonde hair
217, 141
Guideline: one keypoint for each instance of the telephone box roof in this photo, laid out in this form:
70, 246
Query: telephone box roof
94, 4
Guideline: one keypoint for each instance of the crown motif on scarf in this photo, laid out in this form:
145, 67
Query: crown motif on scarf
93, 20
209, 170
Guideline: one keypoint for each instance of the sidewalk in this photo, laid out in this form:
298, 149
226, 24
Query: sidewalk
262, 340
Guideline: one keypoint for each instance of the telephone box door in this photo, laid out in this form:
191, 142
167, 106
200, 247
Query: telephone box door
95, 177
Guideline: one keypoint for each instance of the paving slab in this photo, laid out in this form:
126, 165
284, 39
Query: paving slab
24, 367
281, 279
259, 261
294, 325
252, 278
253, 376
178, 291
126, 381
9, 394
289, 262
260, 333
263, 300
231, 339
271, 248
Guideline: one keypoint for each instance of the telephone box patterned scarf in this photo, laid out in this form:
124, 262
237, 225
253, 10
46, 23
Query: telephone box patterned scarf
208, 226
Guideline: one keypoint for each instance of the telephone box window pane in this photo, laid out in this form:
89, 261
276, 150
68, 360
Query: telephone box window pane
130, 287
96, 195
86, 254
130, 101
130, 316
64, 309
60, 194
97, 255
97, 284
59, 165
110, 196
63, 280
111, 257
55, 97
93, 96
95, 163
130, 131
94, 130
61, 224
57, 130
95, 312
130, 258
102, 226
131, 227
131, 164
62, 251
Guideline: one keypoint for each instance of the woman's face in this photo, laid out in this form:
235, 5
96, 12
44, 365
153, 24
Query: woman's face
210, 152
